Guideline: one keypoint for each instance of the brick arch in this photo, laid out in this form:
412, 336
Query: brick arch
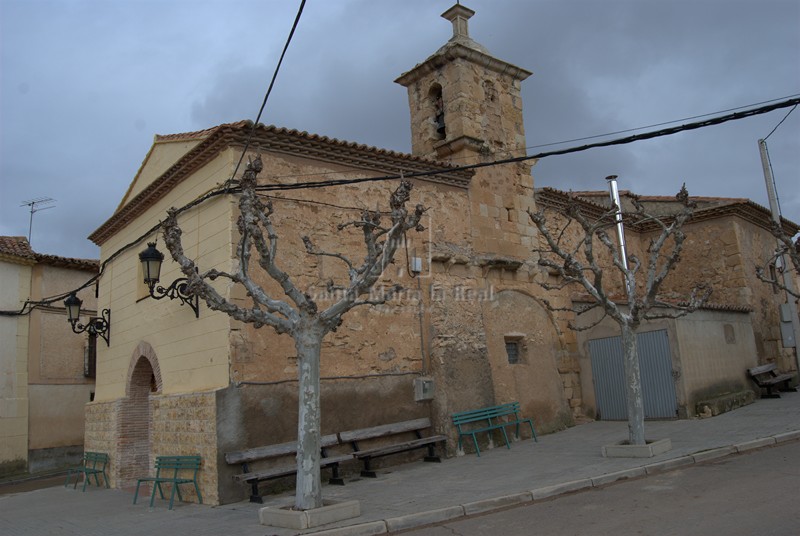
143, 351
134, 444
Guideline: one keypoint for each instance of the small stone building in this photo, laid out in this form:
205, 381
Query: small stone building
471, 324
704, 355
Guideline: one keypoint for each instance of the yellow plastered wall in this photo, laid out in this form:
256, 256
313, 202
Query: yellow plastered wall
16, 279
160, 157
193, 353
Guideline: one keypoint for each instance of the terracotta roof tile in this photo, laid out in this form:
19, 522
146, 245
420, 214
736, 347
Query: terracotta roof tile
280, 141
89, 265
16, 246
709, 306
708, 207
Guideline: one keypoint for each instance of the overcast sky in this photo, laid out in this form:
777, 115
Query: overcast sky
87, 83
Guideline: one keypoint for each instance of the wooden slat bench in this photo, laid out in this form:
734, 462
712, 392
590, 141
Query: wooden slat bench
357, 438
253, 477
767, 377
169, 470
475, 421
94, 463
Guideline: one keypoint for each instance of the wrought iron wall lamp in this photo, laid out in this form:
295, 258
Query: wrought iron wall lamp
97, 325
151, 260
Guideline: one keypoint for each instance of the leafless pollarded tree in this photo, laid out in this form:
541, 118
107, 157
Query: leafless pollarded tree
299, 316
789, 254
576, 263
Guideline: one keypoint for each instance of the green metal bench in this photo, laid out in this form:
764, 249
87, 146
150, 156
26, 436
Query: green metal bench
476, 421
94, 463
168, 471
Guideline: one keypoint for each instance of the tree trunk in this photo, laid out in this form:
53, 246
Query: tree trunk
633, 386
308, 492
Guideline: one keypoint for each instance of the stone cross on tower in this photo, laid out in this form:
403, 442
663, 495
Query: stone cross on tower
459, 15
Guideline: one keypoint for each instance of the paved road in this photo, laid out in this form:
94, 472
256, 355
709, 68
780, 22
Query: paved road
744, 495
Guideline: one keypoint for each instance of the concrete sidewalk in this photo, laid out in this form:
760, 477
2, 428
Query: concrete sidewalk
416, 494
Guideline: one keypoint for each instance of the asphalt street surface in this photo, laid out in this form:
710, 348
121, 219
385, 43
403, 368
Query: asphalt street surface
749, 494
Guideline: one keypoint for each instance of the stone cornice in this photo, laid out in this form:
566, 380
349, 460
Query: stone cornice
282, 141
455, 50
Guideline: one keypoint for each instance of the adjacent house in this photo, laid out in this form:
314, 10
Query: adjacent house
470, 329
47, 373
694, 365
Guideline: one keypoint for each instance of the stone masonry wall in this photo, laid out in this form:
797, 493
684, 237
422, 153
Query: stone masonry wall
101, 433
185, 425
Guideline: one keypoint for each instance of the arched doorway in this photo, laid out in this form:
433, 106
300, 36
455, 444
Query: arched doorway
144, 379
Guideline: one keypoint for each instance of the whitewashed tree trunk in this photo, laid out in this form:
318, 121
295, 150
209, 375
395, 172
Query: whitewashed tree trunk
577, 265
299, 316
633, 386
308, 492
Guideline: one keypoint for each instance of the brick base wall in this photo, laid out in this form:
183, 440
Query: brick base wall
174, 425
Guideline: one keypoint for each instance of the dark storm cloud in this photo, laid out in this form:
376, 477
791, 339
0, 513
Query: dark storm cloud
86, 84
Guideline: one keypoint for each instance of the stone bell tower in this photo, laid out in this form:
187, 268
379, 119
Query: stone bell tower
464, 102
466, 108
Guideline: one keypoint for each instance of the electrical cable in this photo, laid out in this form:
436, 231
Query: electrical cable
618, 141
323, 184
780, 122
269, 90
664, 123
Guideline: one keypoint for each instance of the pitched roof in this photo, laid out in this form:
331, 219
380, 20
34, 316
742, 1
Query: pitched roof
274, 140
619, 299
18, 247
708, 207
88, 265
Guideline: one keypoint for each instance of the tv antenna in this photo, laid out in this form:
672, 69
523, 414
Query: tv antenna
37, 204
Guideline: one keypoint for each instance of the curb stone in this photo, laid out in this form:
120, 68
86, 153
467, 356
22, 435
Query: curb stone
787, 436
754, 444
486, 505
618, 475
561, 489
713, 454
667, 465
424, 518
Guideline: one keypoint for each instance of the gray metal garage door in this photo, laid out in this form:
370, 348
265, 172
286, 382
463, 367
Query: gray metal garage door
655, 361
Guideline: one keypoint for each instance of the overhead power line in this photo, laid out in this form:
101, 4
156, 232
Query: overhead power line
654, 125
330, 183
780, 122
608, 143
269, 89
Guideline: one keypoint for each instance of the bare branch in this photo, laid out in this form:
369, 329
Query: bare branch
769, 271
255, 215
312, 250
198, 285
579, 264
379, 254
